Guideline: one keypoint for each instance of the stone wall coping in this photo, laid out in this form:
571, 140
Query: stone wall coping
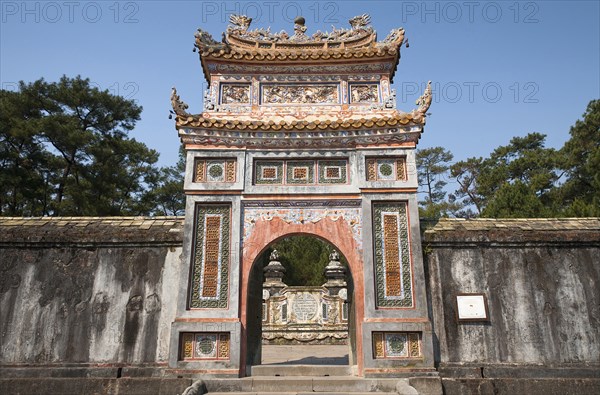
513, 230
91, 230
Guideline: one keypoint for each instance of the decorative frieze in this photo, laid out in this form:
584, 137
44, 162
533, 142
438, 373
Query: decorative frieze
300, 94
386, 169
210, 259
396, 345
303, 214
393, 272
205, 346
214, 170
299, 69
300, 172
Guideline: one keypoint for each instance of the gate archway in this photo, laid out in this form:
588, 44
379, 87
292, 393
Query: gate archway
300, 134
336, 226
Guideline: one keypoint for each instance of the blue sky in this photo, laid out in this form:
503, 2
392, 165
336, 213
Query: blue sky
499, 68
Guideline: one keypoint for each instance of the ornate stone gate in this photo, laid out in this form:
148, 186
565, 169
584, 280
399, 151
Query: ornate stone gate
300, 135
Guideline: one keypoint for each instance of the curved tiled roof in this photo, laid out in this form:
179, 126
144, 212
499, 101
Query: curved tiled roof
397, 119
239, 43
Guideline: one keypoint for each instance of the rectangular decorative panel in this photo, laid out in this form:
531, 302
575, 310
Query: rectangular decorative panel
214, 170
300, 94
210, 260
235, 94
268, 172
393, 274
205, 345
364, 93
396, 345
301, 172
333, 171
386, 169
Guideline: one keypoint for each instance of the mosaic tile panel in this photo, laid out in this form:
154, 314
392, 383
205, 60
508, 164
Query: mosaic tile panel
401, 169
393, 275
208, 346
371, 169
210, 265
199, 170
414, 345
230, 166
215, 171
223, 346
396, 345
301, 172
386, 169
188, 346
364, 93
235, 94
221, 170
378, 345
333, 171
300, 94
268, 172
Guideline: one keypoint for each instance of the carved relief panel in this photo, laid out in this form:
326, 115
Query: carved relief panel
364, 93
235, 93
300, 94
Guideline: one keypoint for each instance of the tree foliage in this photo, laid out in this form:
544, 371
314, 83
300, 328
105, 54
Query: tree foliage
521, 179
580, 159
304, 258
65, 150
432, 167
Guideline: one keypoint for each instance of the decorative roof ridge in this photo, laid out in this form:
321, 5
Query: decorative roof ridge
239, 38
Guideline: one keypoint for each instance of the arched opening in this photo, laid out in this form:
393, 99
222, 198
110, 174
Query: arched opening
300, 298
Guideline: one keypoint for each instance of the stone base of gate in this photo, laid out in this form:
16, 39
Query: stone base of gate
398, 349
206, 348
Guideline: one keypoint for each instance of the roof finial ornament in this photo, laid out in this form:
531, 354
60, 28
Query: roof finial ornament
299, 29
240, 23
425, 100
360, 21
178, 105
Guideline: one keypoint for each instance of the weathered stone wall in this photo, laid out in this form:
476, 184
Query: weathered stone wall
95, 297
542, 282
87, 293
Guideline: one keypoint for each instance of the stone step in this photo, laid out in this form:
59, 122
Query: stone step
310, 384
301, 370
301, 393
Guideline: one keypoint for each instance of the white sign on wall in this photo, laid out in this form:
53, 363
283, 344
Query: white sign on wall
472, 307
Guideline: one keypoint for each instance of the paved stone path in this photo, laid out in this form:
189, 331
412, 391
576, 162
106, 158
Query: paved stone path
305, 355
